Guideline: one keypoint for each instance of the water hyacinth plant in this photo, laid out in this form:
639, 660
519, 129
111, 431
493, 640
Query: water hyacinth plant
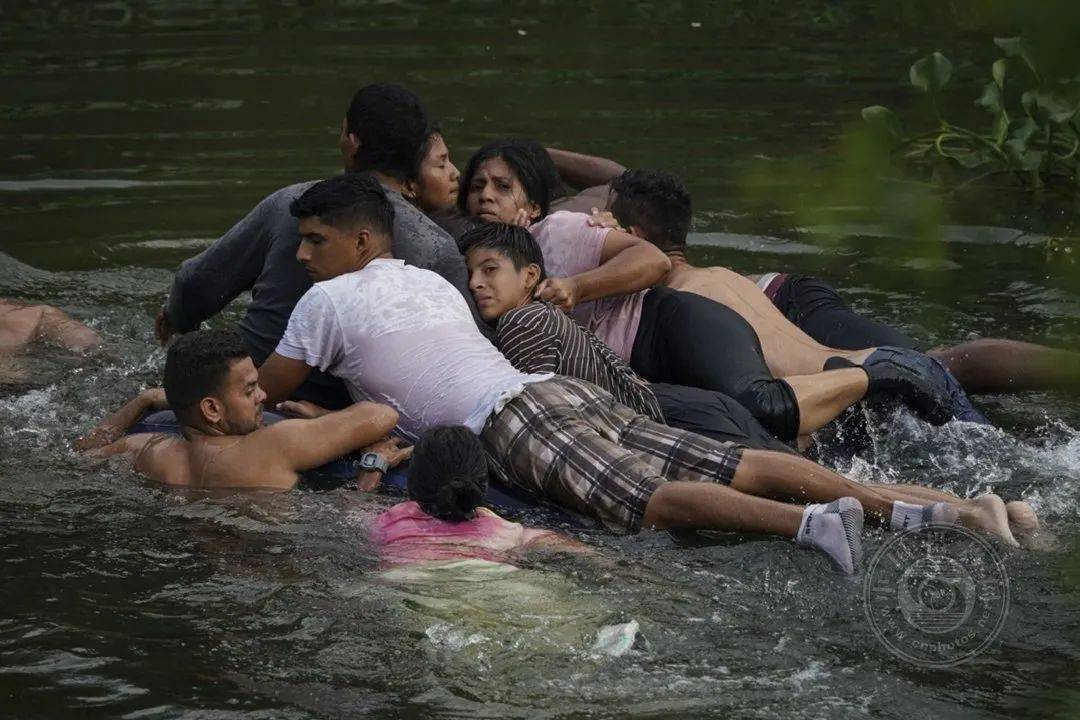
1033, 133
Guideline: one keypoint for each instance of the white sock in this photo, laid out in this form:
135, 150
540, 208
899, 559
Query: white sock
906, 515
834, 529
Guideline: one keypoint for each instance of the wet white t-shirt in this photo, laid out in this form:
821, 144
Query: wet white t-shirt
405, 337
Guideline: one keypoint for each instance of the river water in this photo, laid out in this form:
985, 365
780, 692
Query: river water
135, 132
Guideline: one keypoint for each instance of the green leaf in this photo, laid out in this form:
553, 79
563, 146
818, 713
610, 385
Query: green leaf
1016, 147
1027, 100
1011, 46
931, 73
1022, 130
998, 71
1058, 103
1016, 47
883, 121
992, 98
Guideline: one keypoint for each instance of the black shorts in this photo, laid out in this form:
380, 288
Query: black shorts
817, 310
715, 415
687, 339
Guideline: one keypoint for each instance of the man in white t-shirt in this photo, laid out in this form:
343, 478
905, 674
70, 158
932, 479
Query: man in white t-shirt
404, 336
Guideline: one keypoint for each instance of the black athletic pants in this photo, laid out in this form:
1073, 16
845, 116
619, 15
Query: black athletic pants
821, 313
687, 339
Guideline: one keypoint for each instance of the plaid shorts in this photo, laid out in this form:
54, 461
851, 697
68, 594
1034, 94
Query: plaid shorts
571, 442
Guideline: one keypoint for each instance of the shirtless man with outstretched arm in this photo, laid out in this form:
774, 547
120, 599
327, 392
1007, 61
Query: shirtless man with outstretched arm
212, 386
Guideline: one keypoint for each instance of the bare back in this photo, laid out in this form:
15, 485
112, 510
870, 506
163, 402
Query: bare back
788, 350
21, 325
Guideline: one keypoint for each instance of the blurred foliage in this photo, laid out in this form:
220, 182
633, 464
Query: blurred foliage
1035, 137
879, 180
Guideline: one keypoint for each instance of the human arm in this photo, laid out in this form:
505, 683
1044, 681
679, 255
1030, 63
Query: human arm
110, 431
627, 264
279, 377
206, 283
312, 339
304, 444
584, 171
388, 449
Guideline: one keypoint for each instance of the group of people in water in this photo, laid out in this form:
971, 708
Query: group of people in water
493, 323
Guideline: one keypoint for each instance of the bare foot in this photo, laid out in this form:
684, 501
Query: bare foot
1022, 518
988, 514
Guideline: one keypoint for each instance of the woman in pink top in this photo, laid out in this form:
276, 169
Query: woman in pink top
602, 277
442, 521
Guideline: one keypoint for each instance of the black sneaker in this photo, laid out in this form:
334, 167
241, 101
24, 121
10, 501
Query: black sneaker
912, 377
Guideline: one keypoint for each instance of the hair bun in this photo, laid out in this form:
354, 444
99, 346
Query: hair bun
448, 473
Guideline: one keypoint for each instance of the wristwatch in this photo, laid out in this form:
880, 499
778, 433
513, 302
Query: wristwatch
374, 461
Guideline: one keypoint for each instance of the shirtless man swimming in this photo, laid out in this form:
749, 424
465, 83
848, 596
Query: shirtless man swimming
22, 325
212, 386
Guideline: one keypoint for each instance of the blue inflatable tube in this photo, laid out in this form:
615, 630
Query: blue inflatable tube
345, 469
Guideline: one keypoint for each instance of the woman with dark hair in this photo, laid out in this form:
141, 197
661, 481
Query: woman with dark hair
601, 277
443, 520
433, 186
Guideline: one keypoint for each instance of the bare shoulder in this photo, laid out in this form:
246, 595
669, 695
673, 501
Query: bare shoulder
254, 460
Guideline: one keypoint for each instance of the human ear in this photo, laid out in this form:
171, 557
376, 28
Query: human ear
211, 410
349, 144
410, 190
636, 231
533, 210
532, 277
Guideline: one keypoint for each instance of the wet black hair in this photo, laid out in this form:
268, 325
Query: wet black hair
348, 200
391, 125
556, 187
522, 159
430, 134
448, 473
655, 201
196, 367
514, 242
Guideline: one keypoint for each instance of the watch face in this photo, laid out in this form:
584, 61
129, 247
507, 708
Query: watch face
371, 461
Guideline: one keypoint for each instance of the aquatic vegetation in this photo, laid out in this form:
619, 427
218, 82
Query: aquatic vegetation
1033, 133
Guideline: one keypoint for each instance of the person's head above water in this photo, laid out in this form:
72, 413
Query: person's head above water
505, 178
654, 205
383, 131
434, 186
505, 266
448, 474
211, 383
345, 222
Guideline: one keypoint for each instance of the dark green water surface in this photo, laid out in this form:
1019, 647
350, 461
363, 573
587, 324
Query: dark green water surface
133, 133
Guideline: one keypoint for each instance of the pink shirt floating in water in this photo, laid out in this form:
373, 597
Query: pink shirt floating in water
406, 534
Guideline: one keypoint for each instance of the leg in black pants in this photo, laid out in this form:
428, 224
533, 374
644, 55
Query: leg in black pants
686, 339
819, 311
715, 415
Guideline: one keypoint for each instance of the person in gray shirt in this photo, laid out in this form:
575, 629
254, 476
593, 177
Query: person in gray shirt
382, 133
